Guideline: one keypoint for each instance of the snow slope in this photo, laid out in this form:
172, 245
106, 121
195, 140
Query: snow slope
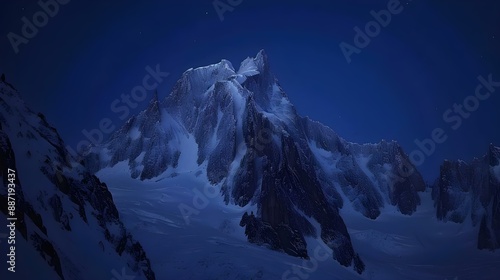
213, 245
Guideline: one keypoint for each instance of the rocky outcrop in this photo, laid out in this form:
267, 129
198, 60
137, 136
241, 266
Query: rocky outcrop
57, 199
260, 151
472, 191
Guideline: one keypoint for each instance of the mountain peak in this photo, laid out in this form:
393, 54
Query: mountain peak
155, 102
2, 80
224, 64
493, 148
261, 57
262, 62
493, 155
155, 96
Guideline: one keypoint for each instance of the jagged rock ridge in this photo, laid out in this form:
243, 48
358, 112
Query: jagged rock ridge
260, 151
472, 190
64, 212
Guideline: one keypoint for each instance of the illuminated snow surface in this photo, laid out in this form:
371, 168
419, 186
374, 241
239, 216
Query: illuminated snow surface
213, 245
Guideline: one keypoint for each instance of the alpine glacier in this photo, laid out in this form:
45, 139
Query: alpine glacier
223, 179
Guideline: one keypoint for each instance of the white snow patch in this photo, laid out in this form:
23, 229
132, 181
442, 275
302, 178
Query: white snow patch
140, 157
362, 161
170, 124
248, 68
496, 171
189, 154
327, 160
134, 133
213, 140
396, 246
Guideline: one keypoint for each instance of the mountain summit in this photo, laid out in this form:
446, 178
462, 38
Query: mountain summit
240, 127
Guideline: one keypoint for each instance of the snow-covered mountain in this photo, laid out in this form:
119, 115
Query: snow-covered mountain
240, 128
472, 191
67, 225
223, 160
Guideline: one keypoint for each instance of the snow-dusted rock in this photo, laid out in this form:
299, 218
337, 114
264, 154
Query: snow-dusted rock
260, 151
472, 191
64, 212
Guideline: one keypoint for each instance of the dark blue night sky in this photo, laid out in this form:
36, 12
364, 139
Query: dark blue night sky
397, 88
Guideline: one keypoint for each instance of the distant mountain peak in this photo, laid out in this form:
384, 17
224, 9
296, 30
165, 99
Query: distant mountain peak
251, 142
471, 190
262, 59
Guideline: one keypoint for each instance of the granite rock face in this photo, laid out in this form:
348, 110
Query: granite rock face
261, 152
472, 190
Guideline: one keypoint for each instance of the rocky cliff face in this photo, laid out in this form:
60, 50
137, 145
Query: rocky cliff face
472, 190
257, 148
63, 212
